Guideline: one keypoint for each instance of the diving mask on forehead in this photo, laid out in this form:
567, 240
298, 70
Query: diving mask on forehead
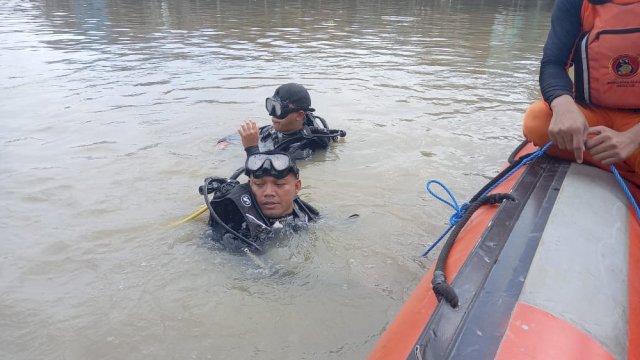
277, 165
278, 108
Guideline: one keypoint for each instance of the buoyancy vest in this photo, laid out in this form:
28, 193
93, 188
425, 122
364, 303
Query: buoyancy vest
237, 208
301, 144
607, 60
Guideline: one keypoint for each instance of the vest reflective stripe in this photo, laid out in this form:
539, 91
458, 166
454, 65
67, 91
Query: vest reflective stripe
585, 68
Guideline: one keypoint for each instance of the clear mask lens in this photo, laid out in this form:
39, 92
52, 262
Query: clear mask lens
278, 162
278, 109
274, 107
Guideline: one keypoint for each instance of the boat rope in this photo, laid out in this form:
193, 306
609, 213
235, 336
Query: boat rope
499, 179
518, 165
463, 213
624, 187
453, 219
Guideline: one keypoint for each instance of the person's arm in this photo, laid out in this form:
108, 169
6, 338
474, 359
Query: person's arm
249, 133
568, 128
566, 26
610, 146
252, 150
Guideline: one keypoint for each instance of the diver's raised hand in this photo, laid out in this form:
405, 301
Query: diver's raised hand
568, 128
610, 146
249, 133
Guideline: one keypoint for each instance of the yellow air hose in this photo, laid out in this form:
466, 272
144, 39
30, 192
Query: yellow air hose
251, 255
191, 217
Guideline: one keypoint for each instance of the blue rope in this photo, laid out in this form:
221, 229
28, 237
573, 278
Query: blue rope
533, 156
454, 219
626, 190
460, 210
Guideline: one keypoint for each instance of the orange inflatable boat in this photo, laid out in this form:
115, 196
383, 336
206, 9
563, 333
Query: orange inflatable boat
554, 274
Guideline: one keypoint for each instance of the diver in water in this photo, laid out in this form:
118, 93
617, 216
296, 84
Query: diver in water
245, 217
295, 129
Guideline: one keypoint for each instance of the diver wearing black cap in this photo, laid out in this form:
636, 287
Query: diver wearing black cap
246, 216
294, 130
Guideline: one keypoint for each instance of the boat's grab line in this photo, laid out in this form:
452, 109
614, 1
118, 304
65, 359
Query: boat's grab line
452, 331
440, 286
499, 179
459, 211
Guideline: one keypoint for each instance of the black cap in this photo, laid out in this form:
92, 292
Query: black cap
294, 94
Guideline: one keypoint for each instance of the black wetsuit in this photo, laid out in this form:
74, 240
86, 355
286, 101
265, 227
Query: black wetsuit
237, 209
298, 144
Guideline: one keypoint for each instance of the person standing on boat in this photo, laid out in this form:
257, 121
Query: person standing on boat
248, 216
295, 129
595, 118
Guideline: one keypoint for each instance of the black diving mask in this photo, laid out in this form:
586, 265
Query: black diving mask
277, 165
278, 108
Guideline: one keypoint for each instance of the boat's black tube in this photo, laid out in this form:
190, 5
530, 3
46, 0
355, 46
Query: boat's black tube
439, 283
440, 286
512, 156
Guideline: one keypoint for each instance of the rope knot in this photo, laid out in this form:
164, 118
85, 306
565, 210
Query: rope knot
458, 214
453, 203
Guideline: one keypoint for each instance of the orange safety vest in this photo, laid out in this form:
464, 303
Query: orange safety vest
610, 54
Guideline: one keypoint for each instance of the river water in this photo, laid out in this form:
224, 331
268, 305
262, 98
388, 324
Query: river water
109, 116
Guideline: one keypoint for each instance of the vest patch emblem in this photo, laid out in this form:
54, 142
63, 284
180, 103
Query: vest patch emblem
625, 66
246, 200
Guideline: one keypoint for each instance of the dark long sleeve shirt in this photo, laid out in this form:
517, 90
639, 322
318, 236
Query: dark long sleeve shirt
566, 27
